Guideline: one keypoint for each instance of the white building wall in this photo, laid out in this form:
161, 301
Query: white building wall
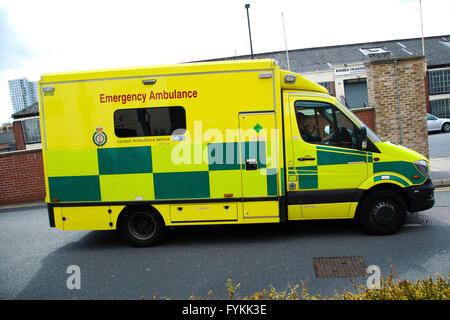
337, 74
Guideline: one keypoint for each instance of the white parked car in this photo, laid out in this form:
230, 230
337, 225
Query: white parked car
437, 124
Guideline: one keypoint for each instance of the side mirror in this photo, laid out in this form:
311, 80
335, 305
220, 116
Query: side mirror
363, 138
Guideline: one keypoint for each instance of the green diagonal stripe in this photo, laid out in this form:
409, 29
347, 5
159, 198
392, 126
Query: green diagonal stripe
404, 168
331, 158
341, 150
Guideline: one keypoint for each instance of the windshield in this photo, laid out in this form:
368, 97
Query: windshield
370, 133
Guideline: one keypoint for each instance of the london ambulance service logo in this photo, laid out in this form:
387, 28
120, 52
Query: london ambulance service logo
99, 137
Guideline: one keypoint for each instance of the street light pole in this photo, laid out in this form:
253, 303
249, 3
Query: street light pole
249, 32
421, 27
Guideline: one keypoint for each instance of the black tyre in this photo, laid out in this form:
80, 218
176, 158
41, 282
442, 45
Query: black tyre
142, 227
446, 127
382, 212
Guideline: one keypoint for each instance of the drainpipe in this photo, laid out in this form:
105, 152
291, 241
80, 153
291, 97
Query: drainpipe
398, 103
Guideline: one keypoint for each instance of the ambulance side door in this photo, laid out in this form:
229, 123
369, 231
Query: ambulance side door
327, 165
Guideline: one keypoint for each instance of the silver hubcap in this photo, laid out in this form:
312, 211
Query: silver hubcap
142, 225
383, 213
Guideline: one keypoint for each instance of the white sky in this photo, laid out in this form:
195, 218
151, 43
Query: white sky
45, 36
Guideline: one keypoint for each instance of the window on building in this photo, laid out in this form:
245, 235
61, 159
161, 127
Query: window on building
440, 108
144, 122
31, 130
356, 95
439, 81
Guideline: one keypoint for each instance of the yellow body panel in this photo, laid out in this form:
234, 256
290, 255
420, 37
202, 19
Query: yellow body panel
86, 218
261, 209
58, 217
235, 160
77, 162
139, 187
203, 212
326, 210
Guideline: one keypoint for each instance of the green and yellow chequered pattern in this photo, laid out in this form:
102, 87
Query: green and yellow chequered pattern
149, 173
308, 176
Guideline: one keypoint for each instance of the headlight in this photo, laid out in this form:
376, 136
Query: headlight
423, 167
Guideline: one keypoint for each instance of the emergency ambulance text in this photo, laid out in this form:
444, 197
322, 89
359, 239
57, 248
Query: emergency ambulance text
123, 98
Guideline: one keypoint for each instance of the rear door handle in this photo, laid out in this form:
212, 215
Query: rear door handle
251, 164
306, 159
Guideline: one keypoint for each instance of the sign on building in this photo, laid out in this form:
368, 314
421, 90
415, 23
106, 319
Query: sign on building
349, 70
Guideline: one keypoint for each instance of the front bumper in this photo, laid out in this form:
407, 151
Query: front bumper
420, 197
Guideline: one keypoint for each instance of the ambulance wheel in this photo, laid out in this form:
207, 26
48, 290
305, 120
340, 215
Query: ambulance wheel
142, 227
382, 212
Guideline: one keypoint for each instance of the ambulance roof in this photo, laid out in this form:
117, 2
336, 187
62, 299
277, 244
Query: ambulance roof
300, 83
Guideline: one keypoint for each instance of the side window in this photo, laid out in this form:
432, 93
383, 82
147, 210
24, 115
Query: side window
323, 123
144, 122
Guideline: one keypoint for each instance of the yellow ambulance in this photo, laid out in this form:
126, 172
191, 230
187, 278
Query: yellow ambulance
141, 149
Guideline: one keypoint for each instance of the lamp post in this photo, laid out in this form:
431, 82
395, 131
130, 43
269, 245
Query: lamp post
421, 27
249, 32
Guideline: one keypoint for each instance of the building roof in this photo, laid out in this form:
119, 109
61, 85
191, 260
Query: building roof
29, 111
437, 53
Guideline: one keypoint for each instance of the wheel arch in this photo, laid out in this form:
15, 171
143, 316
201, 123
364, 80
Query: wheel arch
384, 186
133, 207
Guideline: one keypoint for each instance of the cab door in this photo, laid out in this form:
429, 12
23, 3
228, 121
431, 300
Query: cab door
327, 165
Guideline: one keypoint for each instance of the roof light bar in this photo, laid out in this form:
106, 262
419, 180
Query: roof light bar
265, 75
290, 78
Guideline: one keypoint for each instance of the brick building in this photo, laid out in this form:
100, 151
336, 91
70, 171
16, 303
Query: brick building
22, 171
342, 69
21, 176
27, 128
397, 93
394, 104
7, 140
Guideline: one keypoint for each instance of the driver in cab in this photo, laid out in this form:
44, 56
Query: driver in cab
308, 130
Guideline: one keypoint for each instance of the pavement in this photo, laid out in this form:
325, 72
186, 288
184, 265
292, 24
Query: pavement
440, 171
439, 150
